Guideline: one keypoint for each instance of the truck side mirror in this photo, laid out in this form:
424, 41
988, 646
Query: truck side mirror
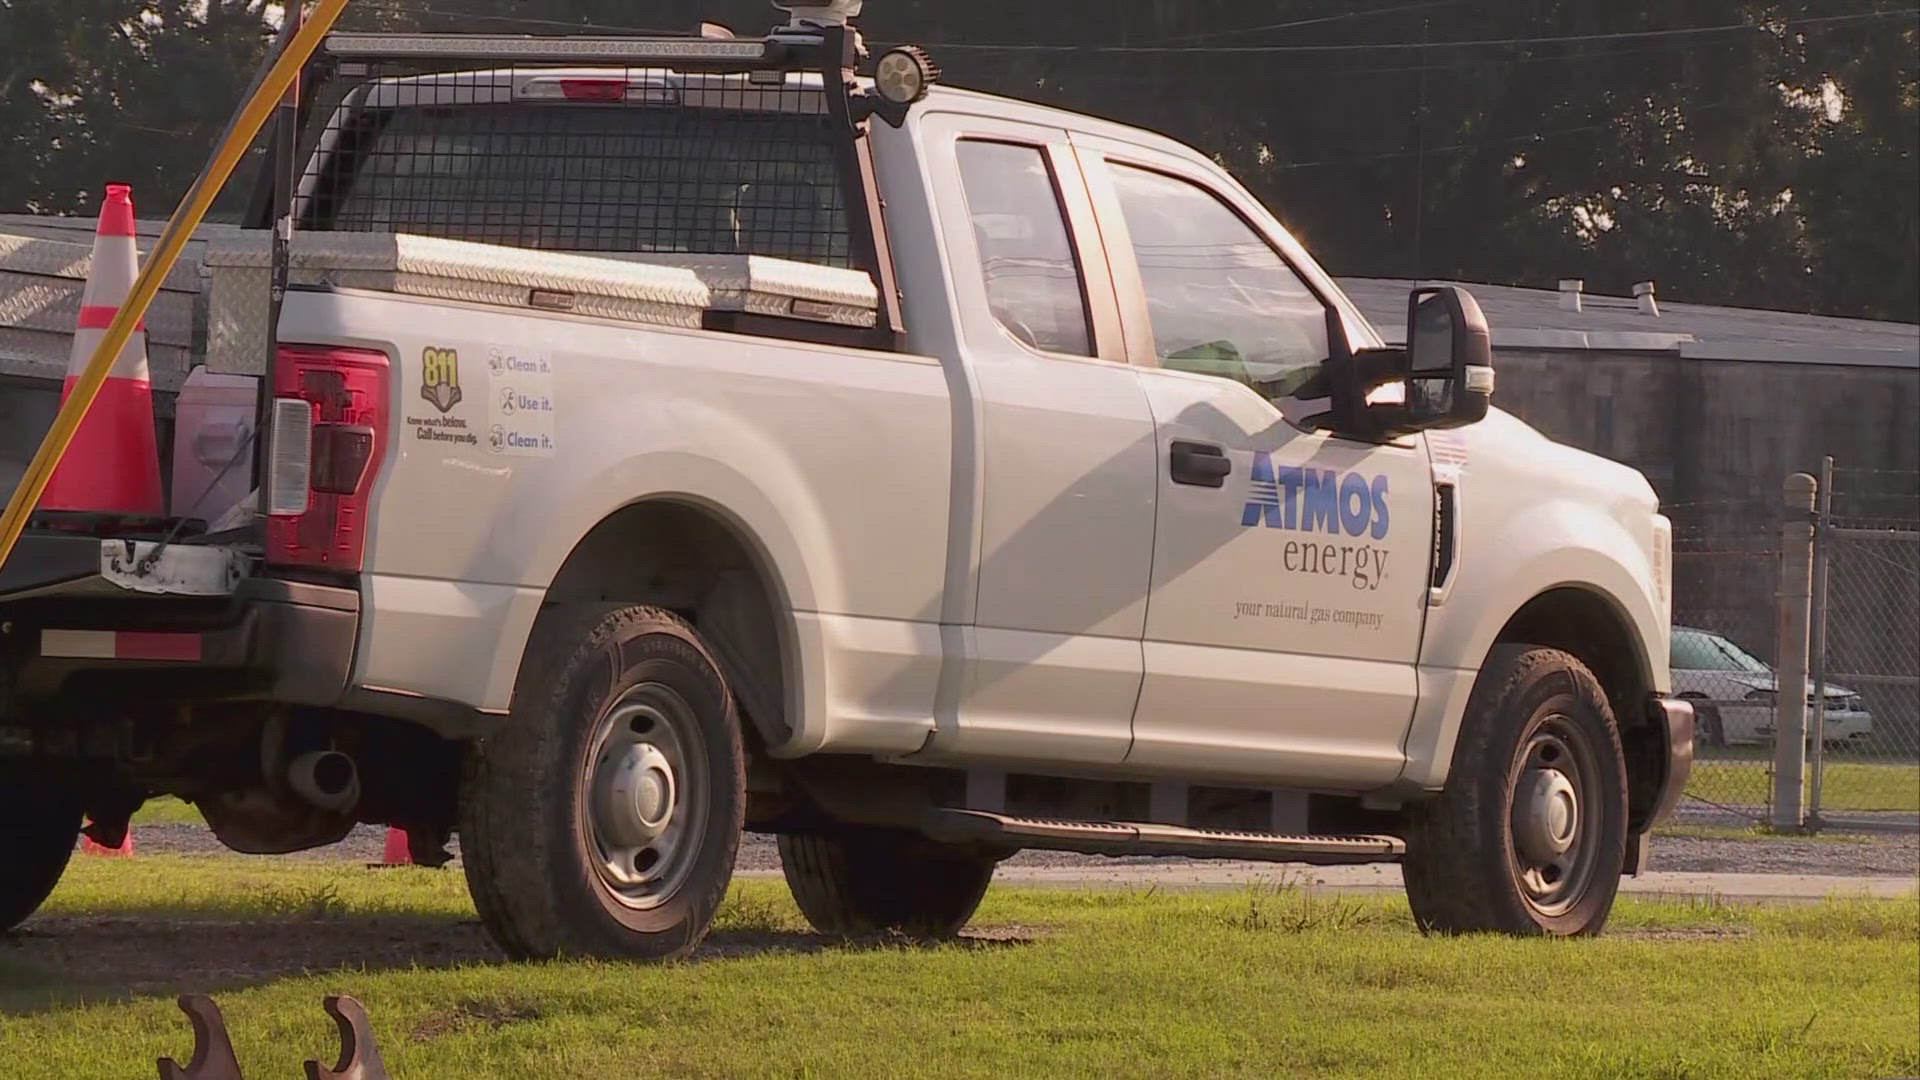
1449, 357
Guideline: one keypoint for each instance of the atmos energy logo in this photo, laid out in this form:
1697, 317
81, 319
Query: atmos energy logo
1326, 501
1316, 500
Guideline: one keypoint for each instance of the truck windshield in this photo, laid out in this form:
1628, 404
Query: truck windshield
590, 178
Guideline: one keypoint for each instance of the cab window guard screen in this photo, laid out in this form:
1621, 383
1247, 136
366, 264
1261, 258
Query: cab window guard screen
735, 147
605, 162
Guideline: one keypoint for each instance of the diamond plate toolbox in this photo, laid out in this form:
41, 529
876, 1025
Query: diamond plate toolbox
434, 268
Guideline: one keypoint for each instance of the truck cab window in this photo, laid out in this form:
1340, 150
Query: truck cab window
1034, 287
1221, 300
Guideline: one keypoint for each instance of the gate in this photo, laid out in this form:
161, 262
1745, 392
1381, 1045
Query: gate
1864, 655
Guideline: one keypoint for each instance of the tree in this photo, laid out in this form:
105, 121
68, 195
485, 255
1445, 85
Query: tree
1753, 152
118, 90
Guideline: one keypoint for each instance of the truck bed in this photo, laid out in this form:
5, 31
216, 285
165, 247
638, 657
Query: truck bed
211, 308
210, 305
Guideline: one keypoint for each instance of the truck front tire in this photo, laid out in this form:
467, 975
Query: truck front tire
39, 824
862, 880
1530, 833
601, 818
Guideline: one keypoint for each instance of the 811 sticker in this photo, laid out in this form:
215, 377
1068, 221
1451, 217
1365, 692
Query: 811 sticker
520, 406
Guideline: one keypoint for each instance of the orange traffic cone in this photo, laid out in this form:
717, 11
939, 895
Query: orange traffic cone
397, 853
113, 464
88, 846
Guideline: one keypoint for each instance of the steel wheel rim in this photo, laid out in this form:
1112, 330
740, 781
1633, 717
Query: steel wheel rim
645, 805
1553, 829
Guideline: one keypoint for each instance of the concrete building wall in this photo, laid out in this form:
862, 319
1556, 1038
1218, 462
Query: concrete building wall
1709, 431
1717, 439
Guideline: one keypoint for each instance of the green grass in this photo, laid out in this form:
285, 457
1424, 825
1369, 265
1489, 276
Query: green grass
1069, 983
1848, 785
167, 810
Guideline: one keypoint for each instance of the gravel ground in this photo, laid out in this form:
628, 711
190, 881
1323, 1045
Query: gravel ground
1869, 856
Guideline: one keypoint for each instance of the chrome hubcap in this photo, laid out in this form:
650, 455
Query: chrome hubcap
644, 816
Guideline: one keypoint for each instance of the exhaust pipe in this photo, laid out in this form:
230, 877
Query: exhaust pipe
326, 778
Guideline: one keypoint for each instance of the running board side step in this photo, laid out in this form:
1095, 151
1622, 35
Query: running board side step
1008, 833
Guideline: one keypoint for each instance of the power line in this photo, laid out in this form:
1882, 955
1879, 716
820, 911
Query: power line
1565, 39
1526, 137
1343, 17
1218, 49
1320, 74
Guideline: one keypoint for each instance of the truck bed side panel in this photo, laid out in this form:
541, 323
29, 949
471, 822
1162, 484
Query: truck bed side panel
516, 433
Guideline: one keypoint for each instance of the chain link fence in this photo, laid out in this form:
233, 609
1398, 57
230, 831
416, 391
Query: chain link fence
1863, 768
1865, 659
1726, 560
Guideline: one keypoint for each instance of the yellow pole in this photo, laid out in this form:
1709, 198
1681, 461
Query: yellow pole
240, 134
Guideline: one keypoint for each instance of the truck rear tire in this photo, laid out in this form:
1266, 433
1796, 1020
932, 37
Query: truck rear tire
601, 817
39, 824
859, 881
1530, 833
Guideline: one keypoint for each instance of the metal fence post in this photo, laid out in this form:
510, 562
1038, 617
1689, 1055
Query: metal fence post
1817, 641
1795, 596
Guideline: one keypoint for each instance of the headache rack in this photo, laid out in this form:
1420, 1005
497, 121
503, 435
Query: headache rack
747, 153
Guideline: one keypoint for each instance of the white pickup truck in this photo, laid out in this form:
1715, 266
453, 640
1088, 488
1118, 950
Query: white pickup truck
671, 437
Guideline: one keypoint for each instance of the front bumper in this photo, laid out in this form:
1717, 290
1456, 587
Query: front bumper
1673, 722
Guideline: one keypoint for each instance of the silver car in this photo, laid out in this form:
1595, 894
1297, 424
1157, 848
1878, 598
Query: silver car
1734, 692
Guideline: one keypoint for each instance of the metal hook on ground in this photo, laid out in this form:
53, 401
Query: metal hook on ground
212, 1050
213, 1057
359, 1055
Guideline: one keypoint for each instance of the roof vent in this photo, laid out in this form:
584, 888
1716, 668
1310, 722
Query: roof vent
1570, 289
1643, 296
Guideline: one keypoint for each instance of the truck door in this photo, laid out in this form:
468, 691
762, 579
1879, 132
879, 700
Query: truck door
1290, 566
1054, 457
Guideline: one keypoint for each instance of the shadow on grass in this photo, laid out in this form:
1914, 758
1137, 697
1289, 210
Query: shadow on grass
58, 961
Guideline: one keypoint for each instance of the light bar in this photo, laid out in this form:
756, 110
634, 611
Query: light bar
640, 50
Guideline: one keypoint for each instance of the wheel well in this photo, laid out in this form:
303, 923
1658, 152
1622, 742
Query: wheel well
1588, 626
692, 561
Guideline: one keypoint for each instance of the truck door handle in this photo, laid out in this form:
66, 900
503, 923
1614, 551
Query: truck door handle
1199, 464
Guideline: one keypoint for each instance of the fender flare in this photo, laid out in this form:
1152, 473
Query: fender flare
1607, 565
764, 525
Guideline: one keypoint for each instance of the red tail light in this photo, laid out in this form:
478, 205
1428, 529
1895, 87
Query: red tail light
346, 391
594, 89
